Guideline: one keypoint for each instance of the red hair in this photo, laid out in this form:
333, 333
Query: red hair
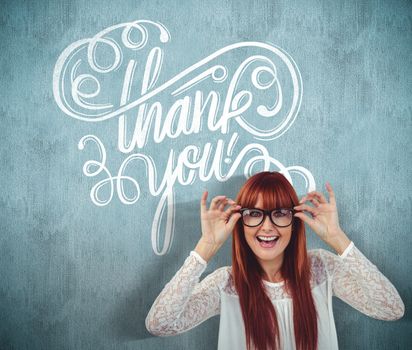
258, 312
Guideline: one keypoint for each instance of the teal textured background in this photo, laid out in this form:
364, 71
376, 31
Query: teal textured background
78, 276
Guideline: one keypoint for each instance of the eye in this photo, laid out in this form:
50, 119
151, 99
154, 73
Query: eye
281, 213
253, 213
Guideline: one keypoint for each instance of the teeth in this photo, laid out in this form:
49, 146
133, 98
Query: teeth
267, 238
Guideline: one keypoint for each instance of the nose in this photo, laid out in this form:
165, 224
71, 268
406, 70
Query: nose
267, 223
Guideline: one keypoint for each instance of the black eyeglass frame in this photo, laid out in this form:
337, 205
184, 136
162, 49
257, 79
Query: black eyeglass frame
268, 213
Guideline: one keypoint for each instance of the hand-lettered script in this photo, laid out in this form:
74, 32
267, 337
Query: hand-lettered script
257, 92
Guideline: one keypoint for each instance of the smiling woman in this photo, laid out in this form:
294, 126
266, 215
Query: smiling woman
276, 295
286, 260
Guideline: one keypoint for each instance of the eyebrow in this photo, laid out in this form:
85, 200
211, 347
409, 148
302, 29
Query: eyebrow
270, 209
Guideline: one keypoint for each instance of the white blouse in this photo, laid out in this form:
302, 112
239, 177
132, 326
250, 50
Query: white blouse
185, 302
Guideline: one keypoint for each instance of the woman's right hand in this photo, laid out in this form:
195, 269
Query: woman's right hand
217, 224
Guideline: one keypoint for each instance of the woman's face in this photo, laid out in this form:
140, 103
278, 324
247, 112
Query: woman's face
267, 228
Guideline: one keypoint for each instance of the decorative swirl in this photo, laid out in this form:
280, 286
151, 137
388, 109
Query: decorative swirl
109, 180
127, 42
101, 167
76, 103
90, 111
217, 72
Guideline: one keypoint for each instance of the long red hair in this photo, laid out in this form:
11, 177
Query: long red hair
259, 315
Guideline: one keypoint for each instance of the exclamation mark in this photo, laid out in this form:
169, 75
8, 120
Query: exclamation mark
230, 147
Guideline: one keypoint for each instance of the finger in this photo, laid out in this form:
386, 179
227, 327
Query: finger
215, 202
306, 207
222, 204
317, 195
306, 219
203, 201
233, 219
313, 200
225, 202
332, 198
232, 208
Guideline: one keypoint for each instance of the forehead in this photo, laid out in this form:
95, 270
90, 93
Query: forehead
266, 195
259, 201
270, 202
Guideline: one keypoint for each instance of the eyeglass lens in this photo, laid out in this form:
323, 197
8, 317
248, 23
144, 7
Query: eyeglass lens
254, 217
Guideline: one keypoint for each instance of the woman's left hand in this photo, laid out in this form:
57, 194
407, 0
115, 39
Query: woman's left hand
324, 219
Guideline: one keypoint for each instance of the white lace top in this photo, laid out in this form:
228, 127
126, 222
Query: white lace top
185, 302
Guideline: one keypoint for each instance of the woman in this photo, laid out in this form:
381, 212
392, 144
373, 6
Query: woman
276, 294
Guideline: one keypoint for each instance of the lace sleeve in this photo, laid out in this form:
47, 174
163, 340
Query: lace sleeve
185, 302
359, 283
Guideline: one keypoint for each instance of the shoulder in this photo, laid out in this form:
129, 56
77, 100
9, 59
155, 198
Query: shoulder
220, 276
317, 265
319, 256
225, 277
315, 256
223, 271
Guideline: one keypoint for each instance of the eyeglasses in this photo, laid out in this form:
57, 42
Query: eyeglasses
281, 217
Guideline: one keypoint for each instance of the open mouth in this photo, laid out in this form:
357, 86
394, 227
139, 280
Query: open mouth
267, 242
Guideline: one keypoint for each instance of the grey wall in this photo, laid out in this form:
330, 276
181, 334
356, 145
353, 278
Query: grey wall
76, 275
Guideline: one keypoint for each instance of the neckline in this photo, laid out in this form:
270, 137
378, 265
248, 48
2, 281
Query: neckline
274, 283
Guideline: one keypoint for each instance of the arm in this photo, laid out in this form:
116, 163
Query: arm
359, 283
185, 302
355, 279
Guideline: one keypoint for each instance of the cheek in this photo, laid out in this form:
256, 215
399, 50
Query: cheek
287, 235
250, 233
